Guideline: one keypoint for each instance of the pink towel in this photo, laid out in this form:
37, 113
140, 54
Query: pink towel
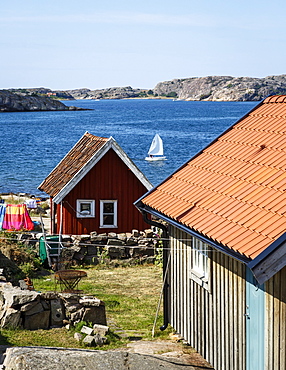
17, 218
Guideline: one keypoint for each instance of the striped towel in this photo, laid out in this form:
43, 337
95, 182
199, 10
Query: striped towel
2, 214
17, 218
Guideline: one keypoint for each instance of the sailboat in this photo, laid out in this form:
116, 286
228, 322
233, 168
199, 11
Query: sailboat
156, 151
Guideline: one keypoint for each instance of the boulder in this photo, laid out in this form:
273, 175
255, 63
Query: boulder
116, 251
99, 340
12, 319
149, 233
29, 306
135, 233
78, 336
90, 302
122, 236
35, 309
89, 340
52, 295
73, 307
40, 320
92, 235
115, 242
141, 251
100, 329
95, 315
130, 241
86, 330
91, 250
15, 296
31, 358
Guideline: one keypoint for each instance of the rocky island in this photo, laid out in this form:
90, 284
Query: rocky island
12, 102
222, 88
210, 88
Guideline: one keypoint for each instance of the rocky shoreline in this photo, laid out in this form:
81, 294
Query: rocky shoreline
12, 102
209, 88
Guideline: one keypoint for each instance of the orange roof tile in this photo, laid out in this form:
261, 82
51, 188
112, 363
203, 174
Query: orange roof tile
234, 191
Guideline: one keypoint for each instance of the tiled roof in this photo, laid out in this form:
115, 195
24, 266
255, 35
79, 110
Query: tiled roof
234, 191
72, 163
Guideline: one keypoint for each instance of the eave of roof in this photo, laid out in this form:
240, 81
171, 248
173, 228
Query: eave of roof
203, 238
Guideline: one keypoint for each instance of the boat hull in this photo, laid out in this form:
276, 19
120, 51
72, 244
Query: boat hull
155, 159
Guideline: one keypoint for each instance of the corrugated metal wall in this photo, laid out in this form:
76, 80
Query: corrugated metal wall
275, 357
211, 320
109, 179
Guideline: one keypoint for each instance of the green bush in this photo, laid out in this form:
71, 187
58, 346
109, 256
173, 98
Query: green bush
172, 94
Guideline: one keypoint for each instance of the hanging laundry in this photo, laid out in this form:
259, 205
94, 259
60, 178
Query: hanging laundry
17, 218
31, 203
2, 214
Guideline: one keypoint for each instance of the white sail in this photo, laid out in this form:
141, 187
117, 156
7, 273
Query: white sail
156, 147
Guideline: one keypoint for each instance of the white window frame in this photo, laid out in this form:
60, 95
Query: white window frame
102, 225
199, 262
85, 214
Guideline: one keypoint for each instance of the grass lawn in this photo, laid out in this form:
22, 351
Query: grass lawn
131, 296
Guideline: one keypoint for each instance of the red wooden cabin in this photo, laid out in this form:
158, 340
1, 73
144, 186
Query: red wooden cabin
93, 188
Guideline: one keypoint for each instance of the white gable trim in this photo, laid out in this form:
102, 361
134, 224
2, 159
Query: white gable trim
110, 144
130, 164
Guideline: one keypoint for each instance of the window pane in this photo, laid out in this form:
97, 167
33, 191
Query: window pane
85, 207
108, 207
108, 220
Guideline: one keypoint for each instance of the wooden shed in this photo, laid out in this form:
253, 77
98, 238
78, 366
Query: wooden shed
225, 251
94, 187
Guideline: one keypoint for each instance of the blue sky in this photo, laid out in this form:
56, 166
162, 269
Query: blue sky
62, 44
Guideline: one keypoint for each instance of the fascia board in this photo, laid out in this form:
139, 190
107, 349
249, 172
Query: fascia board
270, 261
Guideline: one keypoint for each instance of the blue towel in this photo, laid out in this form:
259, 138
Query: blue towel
2, 214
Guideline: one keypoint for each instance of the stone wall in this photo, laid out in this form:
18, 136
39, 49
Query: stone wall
91, 249
97, 248
34, 310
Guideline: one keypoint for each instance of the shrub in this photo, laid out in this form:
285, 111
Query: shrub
172, 94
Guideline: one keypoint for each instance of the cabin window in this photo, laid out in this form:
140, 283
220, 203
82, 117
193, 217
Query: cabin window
108, 213
85, 208
199, 263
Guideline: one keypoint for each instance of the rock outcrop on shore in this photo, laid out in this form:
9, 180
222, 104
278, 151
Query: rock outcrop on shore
11, 102
210, 88
30, 358
223, 88
108, 93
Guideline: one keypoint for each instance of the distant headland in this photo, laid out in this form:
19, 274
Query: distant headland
20, 102
210, 88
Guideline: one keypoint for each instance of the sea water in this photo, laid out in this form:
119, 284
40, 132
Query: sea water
32, 143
